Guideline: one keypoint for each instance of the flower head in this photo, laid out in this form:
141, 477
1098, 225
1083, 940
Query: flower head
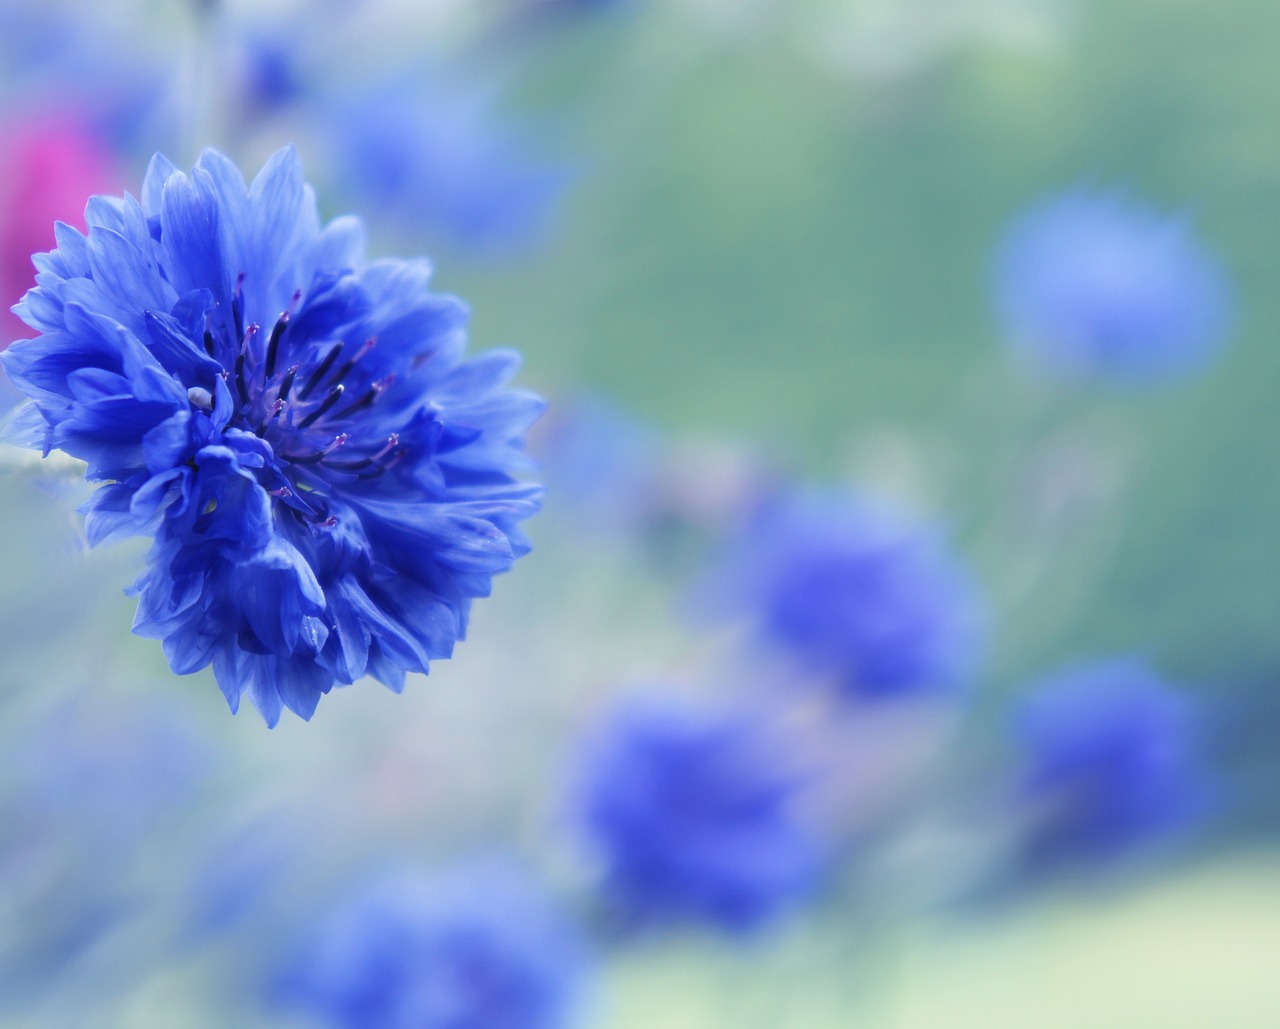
1088, 284
478, 949
327, 478
694, 816
856, 592
1111, 760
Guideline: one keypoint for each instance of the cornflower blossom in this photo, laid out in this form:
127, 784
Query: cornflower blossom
327, 479
1089, 284
1111, 760
481, 948
856, 593
694, 816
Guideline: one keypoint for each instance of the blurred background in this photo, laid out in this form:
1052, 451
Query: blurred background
900, 641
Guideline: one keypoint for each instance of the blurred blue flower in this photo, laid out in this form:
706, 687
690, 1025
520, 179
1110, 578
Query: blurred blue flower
1111, 760
857, 592
328, 480
693, 814
441, 162
1091, 284
482, 948
270, 78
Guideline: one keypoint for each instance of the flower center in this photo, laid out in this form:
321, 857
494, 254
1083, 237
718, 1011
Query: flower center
302, 397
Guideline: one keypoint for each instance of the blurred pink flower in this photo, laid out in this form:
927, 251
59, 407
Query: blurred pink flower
49, 167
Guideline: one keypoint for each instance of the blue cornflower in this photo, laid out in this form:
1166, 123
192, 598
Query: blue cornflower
694, 816
327, 479
1111, 760
1090, 284
440, 159
858, 593
481, 948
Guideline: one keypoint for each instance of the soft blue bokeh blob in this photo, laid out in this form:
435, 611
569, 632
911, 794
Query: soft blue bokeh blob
1093, 284
482, 947
856, 591
1111, 761
693, 816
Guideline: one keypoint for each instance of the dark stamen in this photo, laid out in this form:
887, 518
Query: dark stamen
365, 347
386, 466
349, 466
276, 408
370, 395
334, 396
287, 382
273, 344
237, 306
321, 371
393, 441
365, 400
240, 382
322, 453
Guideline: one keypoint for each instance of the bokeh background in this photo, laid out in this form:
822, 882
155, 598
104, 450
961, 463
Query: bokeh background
750, 251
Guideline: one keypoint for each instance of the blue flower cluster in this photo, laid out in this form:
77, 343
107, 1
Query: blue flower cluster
1089, 284
694, 817
479, 949
859, 593
328, 480
1112, 761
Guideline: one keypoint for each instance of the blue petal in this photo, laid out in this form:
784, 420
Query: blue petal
190, 236
176, 352
480, 375
107, 514
278, 593
159, 172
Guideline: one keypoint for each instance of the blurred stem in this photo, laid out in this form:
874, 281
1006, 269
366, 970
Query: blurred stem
202, 121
